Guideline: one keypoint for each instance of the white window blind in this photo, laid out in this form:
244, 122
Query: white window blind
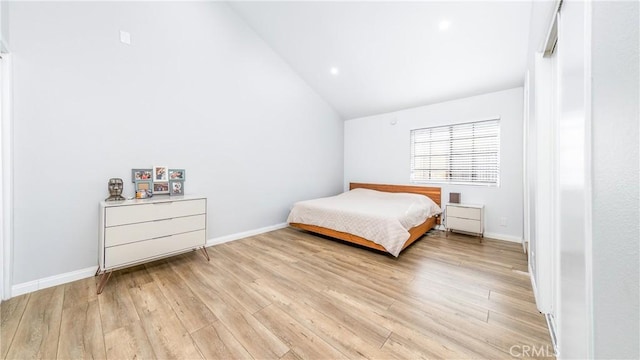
464, 153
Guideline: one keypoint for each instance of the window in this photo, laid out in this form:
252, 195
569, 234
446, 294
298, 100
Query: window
464, 153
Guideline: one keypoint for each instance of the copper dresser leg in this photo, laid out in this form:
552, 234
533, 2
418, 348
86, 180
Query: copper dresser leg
206, 254
103, 280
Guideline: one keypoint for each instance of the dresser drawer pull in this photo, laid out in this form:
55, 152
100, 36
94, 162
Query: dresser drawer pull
167, 219
162, 203
161, 237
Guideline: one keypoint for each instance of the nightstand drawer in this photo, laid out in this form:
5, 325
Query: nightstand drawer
464, 212
468, 225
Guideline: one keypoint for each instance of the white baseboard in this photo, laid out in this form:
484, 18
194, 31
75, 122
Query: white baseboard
551, 324
490, 235
504, 237
548, 317
244, 234
534, 287
35, 285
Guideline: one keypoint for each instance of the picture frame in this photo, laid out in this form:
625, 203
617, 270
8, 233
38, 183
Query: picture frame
160, 187
177, 175
144, 185
160, 174
141, 175
143, 189
176, 188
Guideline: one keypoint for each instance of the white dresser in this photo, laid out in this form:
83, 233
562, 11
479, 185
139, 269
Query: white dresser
465, 217
141, 230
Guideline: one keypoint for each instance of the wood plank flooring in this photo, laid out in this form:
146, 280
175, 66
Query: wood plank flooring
289, 294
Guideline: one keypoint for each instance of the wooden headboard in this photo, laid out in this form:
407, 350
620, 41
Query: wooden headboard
434, 193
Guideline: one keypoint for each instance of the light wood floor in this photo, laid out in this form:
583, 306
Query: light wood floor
290, 295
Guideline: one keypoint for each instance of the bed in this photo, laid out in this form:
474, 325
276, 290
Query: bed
368, 215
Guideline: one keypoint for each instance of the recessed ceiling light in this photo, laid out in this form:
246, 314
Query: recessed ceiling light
334, 71
444, 25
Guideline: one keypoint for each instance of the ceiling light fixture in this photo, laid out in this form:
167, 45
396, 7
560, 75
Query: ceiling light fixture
444, 25
334, 71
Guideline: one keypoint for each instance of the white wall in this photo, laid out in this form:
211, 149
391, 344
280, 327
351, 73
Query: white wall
196, 89
615, 79
378, 152
4, 26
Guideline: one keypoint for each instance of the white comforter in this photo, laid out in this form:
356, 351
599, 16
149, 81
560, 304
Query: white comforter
381, 217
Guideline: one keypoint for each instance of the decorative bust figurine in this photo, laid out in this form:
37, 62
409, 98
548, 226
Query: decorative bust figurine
115, 190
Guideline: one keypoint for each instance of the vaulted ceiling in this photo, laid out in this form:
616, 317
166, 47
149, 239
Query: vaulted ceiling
367, 58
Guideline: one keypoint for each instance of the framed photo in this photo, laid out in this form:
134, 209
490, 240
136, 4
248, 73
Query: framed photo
141, 175
176, 187
176, 174
144, 185
160, 173
161, 187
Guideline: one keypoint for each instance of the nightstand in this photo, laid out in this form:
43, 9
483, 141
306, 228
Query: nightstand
466, 218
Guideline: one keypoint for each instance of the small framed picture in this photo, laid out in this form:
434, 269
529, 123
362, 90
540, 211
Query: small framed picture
144, 189
144, 185
141, 175
160, 173
176, 174
176, 187
161, 187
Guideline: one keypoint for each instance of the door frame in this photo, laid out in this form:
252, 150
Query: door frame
6, 181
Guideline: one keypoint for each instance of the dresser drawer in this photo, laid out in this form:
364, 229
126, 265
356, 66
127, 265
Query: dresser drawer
146, 250
464, 224
124, 234
122, 215
463, 212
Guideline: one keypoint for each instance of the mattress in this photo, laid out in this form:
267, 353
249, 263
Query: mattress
382, 217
